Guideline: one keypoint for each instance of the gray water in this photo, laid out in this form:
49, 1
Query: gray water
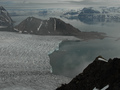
73, 57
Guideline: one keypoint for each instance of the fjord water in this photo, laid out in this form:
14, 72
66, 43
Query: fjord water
73, 56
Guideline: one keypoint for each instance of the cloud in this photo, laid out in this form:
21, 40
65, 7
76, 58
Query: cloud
78, 2
30, 1
96, 2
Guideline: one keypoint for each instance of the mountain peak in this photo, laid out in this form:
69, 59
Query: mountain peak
100, 58
53, 26
6, 23
2, 8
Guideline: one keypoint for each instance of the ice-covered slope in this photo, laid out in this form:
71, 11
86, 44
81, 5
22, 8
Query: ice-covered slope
94, 15
5, 20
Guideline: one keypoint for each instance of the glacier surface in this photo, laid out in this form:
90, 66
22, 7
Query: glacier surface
28, 53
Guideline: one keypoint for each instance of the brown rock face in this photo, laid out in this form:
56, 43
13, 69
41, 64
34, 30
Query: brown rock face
53, 26
99, 74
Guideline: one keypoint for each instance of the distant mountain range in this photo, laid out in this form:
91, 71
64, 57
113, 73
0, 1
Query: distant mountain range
94, 15
6, 23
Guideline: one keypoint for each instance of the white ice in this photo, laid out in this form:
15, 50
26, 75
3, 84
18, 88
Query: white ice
23, 52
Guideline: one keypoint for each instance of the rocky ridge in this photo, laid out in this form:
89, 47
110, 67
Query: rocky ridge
96, 76
6, 23
53, 26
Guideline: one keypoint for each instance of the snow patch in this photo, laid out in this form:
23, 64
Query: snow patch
31, 19
25, 31
3, 26
102, 88
54, 25
20, 31
101, 59
39, 26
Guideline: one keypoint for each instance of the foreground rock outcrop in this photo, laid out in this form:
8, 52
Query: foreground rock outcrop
6, 23
99, 74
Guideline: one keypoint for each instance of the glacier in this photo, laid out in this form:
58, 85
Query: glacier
29, 53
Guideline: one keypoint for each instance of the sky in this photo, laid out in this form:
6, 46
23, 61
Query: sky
62, 1
85, 2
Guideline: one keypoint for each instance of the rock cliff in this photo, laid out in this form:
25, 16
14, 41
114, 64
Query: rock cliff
96, 76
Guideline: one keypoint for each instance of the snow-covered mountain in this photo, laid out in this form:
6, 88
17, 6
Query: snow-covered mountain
94, 15
72, 14
5, 20
102, 14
